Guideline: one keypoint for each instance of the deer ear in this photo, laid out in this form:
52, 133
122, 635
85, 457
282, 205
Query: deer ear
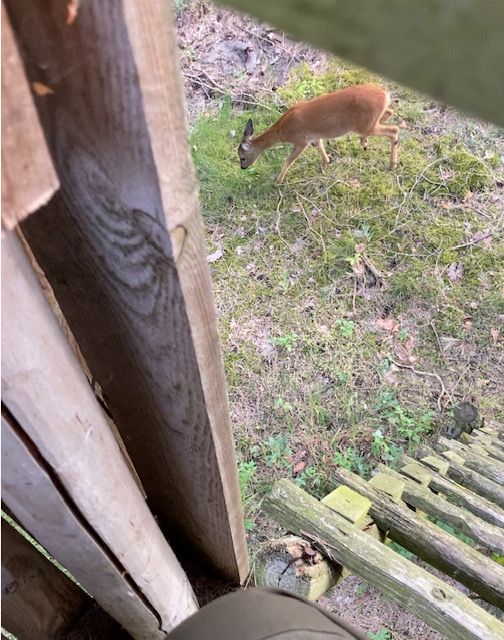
249, 129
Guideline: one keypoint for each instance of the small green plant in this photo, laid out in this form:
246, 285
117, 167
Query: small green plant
382, 634
287, 341
346, 327
449, 529
361, 588
246, 472
352, 460
277, 451
401, 550
407, 426
283, 405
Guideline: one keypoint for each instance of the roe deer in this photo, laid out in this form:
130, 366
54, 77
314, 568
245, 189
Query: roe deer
361, 109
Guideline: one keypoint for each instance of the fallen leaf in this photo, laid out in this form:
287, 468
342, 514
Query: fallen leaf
482, 236
299, 467
495, 333
455, 271
216, 255
359, 247
355, 183
72, 11
41, 89
388, 324
404, 354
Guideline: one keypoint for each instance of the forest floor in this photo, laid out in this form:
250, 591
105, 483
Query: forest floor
356, 305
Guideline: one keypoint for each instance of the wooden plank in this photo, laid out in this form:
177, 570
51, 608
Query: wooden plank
429, 542
468, 478
486, 535
38, 600
459, 495
484, 465
427, 46
28, 176
45, 390
122, 247
439, 604
484, 443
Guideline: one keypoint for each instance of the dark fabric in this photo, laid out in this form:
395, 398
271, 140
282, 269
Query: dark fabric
264, 614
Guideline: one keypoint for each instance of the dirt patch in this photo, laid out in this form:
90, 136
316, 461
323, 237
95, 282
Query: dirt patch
227, 54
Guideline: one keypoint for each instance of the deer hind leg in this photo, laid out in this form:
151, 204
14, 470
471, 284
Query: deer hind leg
386, 115
325, 158
391, 132
290, 159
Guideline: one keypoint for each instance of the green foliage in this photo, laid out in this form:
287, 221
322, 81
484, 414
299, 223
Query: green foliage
361, 589
287, 341
401, 550
352, 460
305, 365
449, 529
382, 634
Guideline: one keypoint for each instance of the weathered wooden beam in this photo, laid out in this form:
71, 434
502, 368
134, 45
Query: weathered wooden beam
451, 50
484, 465
38, 600
439, 604
484, 443
485, 534
28, 176
468, 478
122, 246
50, 401
458, 495
490, 437
429, 542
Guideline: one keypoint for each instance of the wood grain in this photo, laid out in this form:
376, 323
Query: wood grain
429, 542
452, 50
38, 600
437, 603
121, 245
46, 392
28, 177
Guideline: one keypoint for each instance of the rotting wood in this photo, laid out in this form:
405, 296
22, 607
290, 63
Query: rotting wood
427, 46
468, 478
439, 604
485, 534
429, 542
291, 564
484, 465
28, 176
121, 244
459, 495
45, 390
488, 437
38, 600
487, 445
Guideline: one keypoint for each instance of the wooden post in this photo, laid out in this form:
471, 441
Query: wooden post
38, 600
285, 564
122, 246
28, 177
63, 474
440, 605
429, 542
429, 46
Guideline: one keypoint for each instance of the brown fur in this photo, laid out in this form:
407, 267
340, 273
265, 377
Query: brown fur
360, 109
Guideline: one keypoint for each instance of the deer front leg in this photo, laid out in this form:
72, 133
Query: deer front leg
293, 155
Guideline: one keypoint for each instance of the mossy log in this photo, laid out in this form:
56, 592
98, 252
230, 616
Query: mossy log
468, 478
487, 444
429, 542
491, 437
485, 534
458, 495
291, 564
440, 605
484, 465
